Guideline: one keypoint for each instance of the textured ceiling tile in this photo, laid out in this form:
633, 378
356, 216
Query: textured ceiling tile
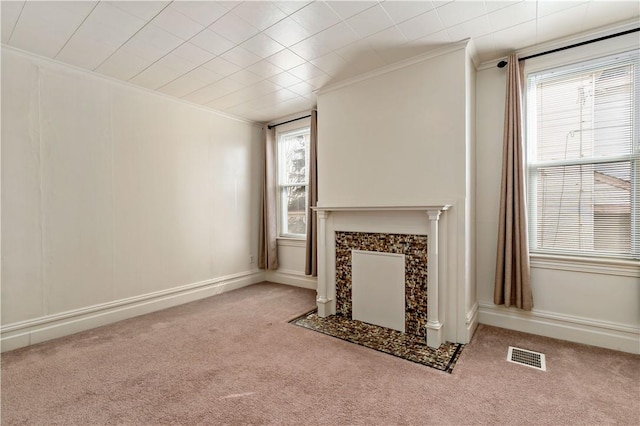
286, 59
549, 7
290, 7
512, 15
402, 10
265, 69
203, 12
245, 77
9, 12
603, 13
346, 9
557, 25
193, 53
337, 36
315, 17
310, 48
261, 14
207, 94
306, 71
183, 85
287, 32
241, 57
123, 65
370, 21
177, 24
421, 25
142, 9
176, 63
262, 45
331, 63
476, 27
85, 52
458, 12
284, 79
109, 25
45, 27
212, 42
152, 42
155, 76
221, 66
204, 75
233, 28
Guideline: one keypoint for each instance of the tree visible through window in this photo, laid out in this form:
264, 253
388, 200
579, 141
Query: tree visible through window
293, 180
583, 158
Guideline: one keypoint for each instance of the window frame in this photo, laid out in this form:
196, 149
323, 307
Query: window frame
297, 128
633, 158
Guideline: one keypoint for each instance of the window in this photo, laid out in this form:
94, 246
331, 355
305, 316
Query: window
293, 180
583, 158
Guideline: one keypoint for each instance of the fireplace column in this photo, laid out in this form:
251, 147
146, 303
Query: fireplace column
434, 325
324, 300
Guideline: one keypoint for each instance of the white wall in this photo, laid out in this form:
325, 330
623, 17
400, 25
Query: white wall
113, 196
291, 259
391, 139
402, 138
597, 304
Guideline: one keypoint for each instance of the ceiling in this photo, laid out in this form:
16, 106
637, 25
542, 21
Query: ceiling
261, 60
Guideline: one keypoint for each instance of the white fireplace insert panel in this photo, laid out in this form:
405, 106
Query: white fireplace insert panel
378, 288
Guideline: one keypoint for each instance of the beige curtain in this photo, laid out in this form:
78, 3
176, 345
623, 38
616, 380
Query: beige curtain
311, 267
513, 280
268, 247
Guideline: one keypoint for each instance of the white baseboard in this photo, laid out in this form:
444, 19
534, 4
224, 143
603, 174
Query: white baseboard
604, 334
25, 333
293, 278
471, 322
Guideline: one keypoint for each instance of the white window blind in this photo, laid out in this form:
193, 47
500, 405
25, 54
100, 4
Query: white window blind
583, 158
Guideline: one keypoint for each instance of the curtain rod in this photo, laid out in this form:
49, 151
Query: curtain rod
502, 64
271, 126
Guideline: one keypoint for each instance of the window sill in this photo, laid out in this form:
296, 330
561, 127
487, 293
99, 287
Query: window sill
591, 265
292, 242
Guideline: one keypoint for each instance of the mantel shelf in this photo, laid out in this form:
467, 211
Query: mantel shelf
440, 207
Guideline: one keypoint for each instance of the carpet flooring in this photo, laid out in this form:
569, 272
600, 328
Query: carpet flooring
402, 345
234, 359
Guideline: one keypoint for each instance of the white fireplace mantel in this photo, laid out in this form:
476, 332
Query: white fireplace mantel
326, 261
425, 208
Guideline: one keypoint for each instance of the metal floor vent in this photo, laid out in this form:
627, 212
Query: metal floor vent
528, 358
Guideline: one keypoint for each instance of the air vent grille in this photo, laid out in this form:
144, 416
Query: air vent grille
528, 358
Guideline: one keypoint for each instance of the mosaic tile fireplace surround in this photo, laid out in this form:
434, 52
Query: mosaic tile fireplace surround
413, 247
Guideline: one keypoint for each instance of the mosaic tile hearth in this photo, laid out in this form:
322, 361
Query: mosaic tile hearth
396, 343
414, 247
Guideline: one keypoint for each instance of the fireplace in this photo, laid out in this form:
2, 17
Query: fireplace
380, 265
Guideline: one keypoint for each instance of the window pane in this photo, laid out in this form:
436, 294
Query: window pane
586, 115
294, 150
584, 208
613, 111
296, 209
562, 112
